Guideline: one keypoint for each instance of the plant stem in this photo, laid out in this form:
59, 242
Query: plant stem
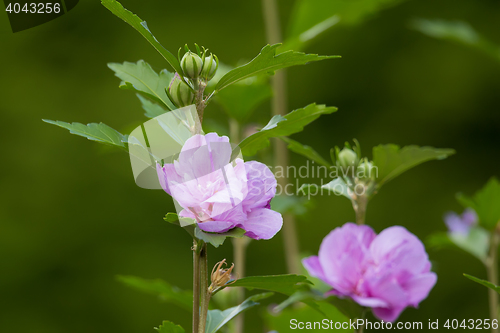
363, 315
279, 107
359, 205
492, 271
204, 294
196, 287
239, 244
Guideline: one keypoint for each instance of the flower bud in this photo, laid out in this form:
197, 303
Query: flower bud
209, 67
365, 170
179, 92
347, 158
191, 65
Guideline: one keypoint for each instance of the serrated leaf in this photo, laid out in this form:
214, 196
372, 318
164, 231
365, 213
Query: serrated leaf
292, 122
138, 24
93, 131
169, 327
459, 32
267, 61
336, 186
162, 289
486, 203
476, 242
484, 283
217, 318
153, 110
391, 160
285, 284
305, 151
141, 78
240, 100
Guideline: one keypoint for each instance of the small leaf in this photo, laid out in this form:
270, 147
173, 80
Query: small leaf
135, 21
336, 186
290, 204
475, 243
265, 62
305, 151
169, 327
93, 131
162, 289
391, 161
486, 203
240, 100
218, 239
285, 284
457, 31
484, 283
141, 78
292, 122
217, 318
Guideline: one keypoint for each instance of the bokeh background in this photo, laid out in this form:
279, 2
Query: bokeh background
71, 217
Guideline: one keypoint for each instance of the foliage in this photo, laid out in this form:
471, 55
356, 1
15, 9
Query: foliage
485, 203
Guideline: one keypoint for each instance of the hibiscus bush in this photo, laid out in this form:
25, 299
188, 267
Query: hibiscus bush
230, 190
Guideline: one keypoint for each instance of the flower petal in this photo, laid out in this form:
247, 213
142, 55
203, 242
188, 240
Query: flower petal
263, 223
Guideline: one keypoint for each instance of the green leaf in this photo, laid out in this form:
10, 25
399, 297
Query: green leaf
291, 123
141, 78
305, 151
282, 321
93, 131
267, 61
484, 283
153, 110
310, 18
290, 204
162, 289
192, 228
240, 100
391, 161
217, 318
486, 203
285, 284
336, 186
476, 242
135, 21
459, 32
169, 327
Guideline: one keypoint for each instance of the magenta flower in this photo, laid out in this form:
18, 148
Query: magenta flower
461, 224
220, 194
386, 272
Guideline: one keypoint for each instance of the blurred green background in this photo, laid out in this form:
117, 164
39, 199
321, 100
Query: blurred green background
71, 217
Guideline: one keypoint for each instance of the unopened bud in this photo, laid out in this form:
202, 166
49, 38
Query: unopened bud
179, 92
365, 170
191, 65
209, 67
347, 158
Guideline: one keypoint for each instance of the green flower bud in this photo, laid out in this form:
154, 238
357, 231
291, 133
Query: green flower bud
209, 67
347, 158
365, 170
191, 65
179, 92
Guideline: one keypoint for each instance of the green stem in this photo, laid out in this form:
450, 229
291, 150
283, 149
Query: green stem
359, 205
492, 272
279, 107
196, 287
239, 245
363, 316
204, 294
